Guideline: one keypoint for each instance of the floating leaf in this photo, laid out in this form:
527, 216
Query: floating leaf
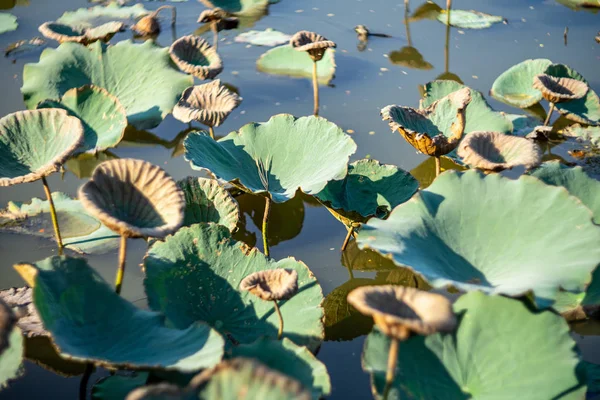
141, 76
469, 19
66, 33
289, 359
213, 266
269, 37
103, 117
98, 15
81, 232
239, 7
590, 133
278, 156
507, 251
117, 387
8, 22
588, 5
285, 60
11, 345
515, 85
207, 201
369, 189
497, 351
74, 302
523, 124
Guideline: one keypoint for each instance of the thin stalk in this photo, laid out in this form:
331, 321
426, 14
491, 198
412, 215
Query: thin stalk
447, 48
315, 89
89, 368
438, 166
549, 114
280, 331
448, 7
173, 14
215, 30
121, 270
211, 131
406, 14
348, 236
265, 225
391, 367
53, 215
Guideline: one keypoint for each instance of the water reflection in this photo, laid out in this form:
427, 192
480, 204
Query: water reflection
425, 172
409, 56
8, 4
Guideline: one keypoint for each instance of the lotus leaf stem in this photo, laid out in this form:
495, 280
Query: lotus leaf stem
280, 331
316, 89
549, 114
265, 225
438, 166
215, 30
85, 378
121, 270
53, 216
173, 14
211, 131
348, 236
406, 23
448, 7
391, 367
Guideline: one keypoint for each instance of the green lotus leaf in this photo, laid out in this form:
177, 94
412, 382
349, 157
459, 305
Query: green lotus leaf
89, 322
117, 387
523, 124
81, 232
104, 118
514, 86
289, 359
8, 22
285, 60
268, 37
11, 345
506, 251
469, 19
590, 133
239, 7
497, 352
585, 110
588, 5
276, 157
207, 201
141, 76
409, 57
195, 275
369, 189
99, 15
479, 115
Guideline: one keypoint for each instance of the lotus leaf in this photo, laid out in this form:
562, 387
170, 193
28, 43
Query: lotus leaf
21, 301
11, 345
207, 201
118, 69
98, 15
289, 359
506, 251
427, 10
479, 115
53, 134
209, 104
66, 33
497, 351
239, 7
515, 85
268, 37
117, 387
285, 60
104, 118
8, 22
207, 257
469, 19
194, 55
589, 5
369, 189
590, 133
523, 124
277, 156
585, 110
75, 303
81, 232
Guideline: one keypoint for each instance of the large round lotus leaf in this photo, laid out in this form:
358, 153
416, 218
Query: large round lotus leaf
80, 231
117, 387
500, 350
8, 22
141, 76
11, 345
514, 86
195, 275
370, 189
279, 156
268, 37
238, 7
98, 15
290, 359
469, 19
207, 201
479, 115
585, 110
34, 144
285, 60
89, 322
104, 118
491, 233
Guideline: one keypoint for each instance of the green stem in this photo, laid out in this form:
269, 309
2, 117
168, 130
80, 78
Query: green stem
280, 331
348, 236
53, 215
265, 225
215, 30
549, 114
438, 166
391, 367
121, 269
211, 131
315, 89
89, 368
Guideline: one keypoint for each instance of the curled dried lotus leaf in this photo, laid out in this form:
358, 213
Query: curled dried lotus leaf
194, 55
311, 42
559, 90
274, 284
209, 104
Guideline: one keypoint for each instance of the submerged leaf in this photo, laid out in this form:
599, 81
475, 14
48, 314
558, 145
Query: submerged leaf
8, 22
285, 60
469, 19
506, 250
515, 85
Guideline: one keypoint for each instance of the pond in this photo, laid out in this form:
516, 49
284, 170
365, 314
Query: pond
366, 80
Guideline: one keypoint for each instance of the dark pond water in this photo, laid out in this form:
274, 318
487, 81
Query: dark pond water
365, 82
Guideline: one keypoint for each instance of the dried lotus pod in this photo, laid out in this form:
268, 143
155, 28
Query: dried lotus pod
559, 90
311, 42
148, 25
274, 284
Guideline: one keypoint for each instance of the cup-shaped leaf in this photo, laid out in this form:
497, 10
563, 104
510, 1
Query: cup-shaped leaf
559, 90
209, 104
134, 198
491, 233
194, 55
312, 43
514, 86
276, 157
34, 144
273, 284
65, 33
